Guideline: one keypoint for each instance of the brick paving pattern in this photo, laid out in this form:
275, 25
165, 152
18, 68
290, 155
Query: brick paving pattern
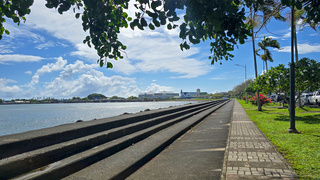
250, 154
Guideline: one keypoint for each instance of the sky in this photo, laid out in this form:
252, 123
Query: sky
45, 57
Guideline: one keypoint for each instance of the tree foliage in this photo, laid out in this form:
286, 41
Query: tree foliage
276, 80
264, 44
96, 96
220, 22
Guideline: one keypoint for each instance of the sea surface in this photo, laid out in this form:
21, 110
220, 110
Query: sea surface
26, 117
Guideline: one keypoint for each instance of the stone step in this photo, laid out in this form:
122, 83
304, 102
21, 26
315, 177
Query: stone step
25, 162
83, 159
11, 145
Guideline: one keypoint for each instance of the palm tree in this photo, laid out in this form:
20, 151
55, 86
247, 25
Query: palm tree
269, 9
264, 44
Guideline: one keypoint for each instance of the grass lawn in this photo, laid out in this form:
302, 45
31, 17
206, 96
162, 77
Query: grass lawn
302, 151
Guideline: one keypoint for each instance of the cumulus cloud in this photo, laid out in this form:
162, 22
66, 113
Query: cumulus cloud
47, 69
8, 89
302, 48
157, 88
9, 58
92, 81
77, 67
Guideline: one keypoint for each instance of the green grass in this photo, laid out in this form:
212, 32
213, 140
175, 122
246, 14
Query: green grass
302, 151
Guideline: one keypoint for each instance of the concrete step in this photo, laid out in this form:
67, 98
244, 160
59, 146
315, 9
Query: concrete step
11, 145
50, 155
124, 163
81, 160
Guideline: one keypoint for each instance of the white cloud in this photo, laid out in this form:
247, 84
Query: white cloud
22, 31
28, 72
158, 53
302, 48
157, 88
77, 67
45, 45
8, 89
47, 69
148, 51
5, 49
64, 26
92, 82
18, 58
218, 78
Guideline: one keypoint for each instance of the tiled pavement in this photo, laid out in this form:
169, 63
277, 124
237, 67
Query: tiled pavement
250, 155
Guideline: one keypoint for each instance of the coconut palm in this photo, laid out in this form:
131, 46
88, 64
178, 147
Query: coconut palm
264, 44
257, 22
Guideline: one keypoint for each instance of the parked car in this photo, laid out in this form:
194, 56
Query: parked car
305, 98
315, 98
273, 97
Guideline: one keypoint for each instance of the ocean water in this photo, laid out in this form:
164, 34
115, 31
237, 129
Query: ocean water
26, 117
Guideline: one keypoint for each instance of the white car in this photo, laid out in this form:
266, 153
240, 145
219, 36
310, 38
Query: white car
305, 98
315, 98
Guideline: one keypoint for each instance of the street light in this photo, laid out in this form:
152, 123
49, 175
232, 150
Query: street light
245, 79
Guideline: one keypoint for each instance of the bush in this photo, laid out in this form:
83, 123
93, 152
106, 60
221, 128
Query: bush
263, 99
244, 97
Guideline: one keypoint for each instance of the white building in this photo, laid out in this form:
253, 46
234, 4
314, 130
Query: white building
197, 94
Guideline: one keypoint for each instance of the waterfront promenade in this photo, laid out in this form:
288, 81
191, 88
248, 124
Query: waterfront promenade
250, 155
212, 141
212, 150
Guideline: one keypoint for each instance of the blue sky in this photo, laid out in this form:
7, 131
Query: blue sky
45, 57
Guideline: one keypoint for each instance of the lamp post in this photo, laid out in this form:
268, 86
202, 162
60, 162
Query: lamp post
245, 80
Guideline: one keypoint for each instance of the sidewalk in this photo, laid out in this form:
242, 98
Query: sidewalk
249, 154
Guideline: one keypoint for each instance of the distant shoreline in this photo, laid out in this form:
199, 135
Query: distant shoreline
99, 101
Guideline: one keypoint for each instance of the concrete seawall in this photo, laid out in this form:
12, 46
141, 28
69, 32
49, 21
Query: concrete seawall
61, 151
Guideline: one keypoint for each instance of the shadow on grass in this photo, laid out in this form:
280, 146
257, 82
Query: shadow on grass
311, 119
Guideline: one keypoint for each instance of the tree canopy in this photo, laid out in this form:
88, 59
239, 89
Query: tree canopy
96, 96
220, 22
277, 79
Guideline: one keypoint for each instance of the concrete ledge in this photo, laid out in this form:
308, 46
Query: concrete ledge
124, 163
58, 160
19, 143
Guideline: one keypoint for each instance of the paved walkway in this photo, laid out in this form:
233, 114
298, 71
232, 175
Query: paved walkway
249, 154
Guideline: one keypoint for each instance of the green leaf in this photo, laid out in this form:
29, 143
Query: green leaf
156, 23
169, 26
109, 65
101, 63
7, 32
77, 15
151, 26
143, 22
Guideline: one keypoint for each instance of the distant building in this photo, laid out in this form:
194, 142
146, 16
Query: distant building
159, 95
198, 94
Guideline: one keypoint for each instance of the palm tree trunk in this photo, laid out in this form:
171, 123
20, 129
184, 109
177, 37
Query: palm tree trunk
267, 65
255, 61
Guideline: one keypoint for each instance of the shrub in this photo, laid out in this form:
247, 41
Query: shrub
263, 99
244, 97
